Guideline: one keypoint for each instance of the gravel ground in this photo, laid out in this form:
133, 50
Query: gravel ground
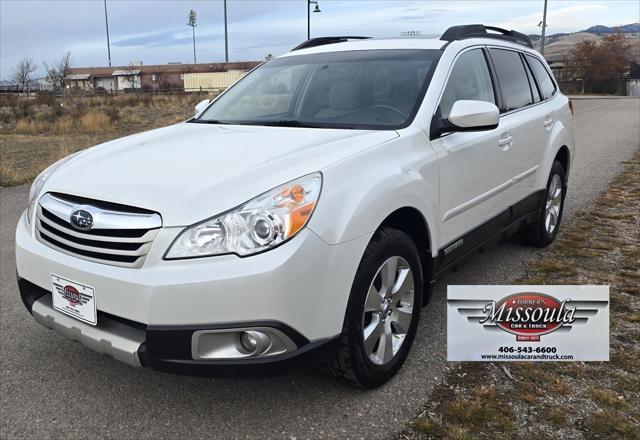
53, 388
567, 400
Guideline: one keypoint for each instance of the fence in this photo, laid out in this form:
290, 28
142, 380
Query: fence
196, 82
633, 87
618, 87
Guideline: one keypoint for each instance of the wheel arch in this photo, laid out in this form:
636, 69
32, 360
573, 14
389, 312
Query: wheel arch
411, 221
564, 157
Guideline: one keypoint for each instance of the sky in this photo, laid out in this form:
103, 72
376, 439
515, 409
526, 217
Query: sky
155, 32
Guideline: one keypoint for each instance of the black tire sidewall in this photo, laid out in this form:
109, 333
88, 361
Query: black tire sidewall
390, 243
546, 237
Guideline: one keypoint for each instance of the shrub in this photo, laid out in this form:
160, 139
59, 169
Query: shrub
44, 97
94, 122
6, 115
63, 125
26, 126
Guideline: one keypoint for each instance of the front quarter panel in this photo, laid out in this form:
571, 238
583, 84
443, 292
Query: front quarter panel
361, 191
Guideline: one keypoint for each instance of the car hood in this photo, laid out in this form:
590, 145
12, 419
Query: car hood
188, 172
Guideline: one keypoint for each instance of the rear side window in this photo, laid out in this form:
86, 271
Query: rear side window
547, 86
512, 77
532, 84
469, 80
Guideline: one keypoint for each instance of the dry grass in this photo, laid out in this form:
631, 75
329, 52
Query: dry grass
36, 132
572, 399
608, 398
95, 122
610, 424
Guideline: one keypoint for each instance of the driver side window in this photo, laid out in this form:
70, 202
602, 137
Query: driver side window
469, 80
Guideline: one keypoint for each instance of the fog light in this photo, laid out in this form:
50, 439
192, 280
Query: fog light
248, 341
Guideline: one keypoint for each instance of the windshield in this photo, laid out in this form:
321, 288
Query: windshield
373, 89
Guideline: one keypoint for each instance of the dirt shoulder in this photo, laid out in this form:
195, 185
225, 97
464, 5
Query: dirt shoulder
561, 400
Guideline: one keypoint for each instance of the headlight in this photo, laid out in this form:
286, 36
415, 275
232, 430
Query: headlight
260, 224
38, 183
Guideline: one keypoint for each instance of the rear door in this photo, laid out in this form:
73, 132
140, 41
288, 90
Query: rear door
523, 122
547, 109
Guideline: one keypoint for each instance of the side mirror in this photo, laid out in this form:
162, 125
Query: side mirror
201, 106
473, 116
466, 115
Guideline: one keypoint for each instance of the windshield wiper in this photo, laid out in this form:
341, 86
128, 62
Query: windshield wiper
289, 123
207, 121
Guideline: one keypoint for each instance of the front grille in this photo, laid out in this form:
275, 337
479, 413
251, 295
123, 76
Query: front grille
119, 237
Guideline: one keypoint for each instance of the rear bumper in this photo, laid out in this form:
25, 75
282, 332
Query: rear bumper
167, 348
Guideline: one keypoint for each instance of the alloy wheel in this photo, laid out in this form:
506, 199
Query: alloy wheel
388, 310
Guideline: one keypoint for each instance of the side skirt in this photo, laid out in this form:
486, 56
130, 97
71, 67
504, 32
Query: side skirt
492, 231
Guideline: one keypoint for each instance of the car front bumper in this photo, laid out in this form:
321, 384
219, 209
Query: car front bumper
148, 316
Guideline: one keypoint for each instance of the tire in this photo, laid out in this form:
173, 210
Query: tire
544, 230
368, 364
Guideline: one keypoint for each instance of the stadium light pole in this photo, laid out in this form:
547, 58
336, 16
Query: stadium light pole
226, 38
106, 23
193, 24
543, 23
315, 10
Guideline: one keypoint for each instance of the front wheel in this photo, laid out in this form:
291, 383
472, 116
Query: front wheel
544, 230
382, 314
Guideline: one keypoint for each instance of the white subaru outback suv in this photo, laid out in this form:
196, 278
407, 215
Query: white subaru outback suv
304, 214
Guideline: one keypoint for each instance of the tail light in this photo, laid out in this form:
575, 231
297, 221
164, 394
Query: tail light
571, 106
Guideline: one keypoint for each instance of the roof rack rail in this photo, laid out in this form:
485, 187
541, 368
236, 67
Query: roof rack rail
321, 41
480, 31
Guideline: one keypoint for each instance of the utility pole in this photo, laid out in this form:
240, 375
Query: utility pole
106, 22
315, 10
544, 28
193, 24
226, 39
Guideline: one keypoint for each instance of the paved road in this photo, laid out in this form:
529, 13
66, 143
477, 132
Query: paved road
53, 388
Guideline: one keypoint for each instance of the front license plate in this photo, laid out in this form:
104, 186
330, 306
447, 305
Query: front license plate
74, 299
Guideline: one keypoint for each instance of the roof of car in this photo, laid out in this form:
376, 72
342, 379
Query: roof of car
372, 44
400, 43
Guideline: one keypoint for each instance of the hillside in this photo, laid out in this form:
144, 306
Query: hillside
558, 45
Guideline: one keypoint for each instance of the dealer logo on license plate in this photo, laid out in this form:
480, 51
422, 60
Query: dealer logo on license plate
74, 299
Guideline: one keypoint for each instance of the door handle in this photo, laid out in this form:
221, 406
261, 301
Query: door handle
505, 142
548, 122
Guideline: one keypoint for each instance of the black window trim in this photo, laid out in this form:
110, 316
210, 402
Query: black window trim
502, 108
557, 89
533, 82
486, 48
553, 80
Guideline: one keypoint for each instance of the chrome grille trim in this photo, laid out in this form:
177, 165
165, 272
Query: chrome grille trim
117, 238
102, 218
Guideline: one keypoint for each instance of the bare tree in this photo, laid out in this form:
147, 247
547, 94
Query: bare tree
22, 73
132, 79
59, 72
601, 64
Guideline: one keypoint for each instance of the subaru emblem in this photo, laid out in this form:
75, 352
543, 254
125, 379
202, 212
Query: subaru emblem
82, 219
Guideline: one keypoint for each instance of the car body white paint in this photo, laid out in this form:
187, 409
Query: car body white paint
189, 172
469, 114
